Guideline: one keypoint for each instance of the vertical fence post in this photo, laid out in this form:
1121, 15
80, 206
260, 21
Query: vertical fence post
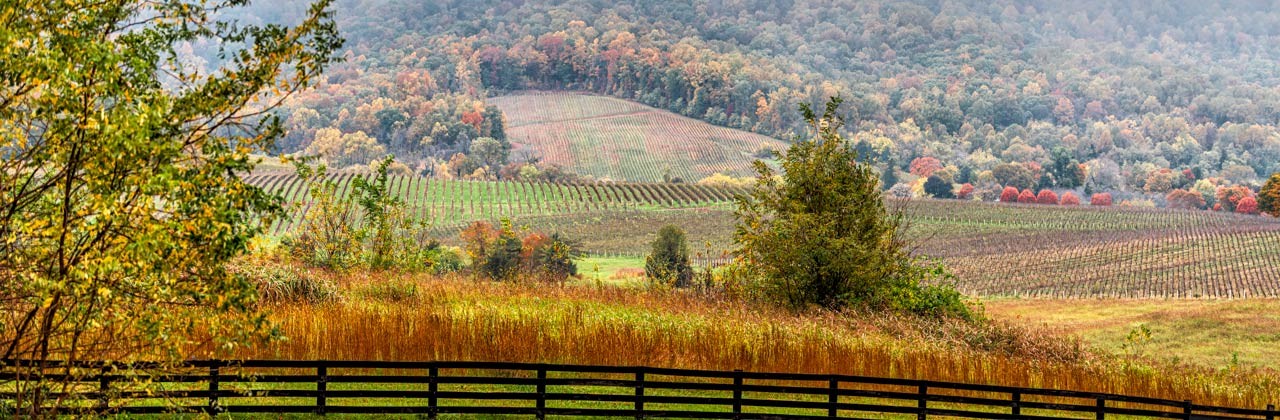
1101, 413
104, 386
433, 388
322, 387
737, 393
542, 393
1186, 409
833, 398
921, 403
639, 393
213, 388
1271, 412
1017, 403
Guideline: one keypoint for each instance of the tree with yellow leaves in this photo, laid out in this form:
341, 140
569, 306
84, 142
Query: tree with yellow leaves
119, 184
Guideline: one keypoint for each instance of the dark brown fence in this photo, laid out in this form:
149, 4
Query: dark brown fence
540, 390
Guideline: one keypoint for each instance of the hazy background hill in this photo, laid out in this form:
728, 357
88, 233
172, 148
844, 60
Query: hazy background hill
1087, 95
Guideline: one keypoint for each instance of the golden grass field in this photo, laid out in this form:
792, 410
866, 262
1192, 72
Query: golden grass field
384, 316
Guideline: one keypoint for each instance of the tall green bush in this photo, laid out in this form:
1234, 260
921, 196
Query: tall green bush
819, 232
668, 260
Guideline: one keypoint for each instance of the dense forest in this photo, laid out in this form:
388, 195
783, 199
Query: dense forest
1129, 97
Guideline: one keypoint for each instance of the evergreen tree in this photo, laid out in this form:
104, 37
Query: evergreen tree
820, 234
938, 187
668, 260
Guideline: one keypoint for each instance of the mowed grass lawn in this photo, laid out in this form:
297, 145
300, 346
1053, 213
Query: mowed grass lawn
1215, 333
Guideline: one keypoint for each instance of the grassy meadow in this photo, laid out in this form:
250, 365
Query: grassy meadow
419, 317
1219, 333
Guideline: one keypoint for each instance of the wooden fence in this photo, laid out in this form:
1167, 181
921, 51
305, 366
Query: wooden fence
540, 390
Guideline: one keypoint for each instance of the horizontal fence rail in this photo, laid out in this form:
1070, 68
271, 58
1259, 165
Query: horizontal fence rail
432, 388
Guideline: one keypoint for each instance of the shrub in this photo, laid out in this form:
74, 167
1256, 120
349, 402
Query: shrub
1247, 205
328, 237
1070, 199
555, 258
1009, 195
822, 235
502, 261
446, 259
1027, 197
965, 191
668, 260
1047, 197
1100, 199
282, 283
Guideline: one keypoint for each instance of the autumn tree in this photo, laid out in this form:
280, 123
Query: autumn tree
1047, 197
1229, 197
924, 167
1184, 199
1070, 199
1100, 199
1027, 197
965, 192
1009, 195
122, 200
1269, 196
1015, 175
1247, 205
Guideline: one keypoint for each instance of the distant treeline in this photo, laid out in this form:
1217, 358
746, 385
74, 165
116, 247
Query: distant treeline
1119, 89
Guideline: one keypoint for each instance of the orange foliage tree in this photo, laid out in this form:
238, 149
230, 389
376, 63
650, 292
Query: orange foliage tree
1230, 197
1070, 199
925, 166
1027, 197
1047, 197
1184, 199
1009, 195
1100, 199
1247, 205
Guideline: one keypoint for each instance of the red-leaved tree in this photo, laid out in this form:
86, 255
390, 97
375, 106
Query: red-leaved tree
1009, 195
965, 192
924, 167
1247, 205
1027, 197
1070, 199
1230, 197
1100, 199
1047, 197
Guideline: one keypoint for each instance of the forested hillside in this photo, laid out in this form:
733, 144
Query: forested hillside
1091, 95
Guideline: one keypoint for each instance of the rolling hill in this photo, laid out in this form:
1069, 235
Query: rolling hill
994, 249
609, 138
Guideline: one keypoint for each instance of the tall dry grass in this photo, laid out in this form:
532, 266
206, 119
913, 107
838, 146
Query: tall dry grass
457, 318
